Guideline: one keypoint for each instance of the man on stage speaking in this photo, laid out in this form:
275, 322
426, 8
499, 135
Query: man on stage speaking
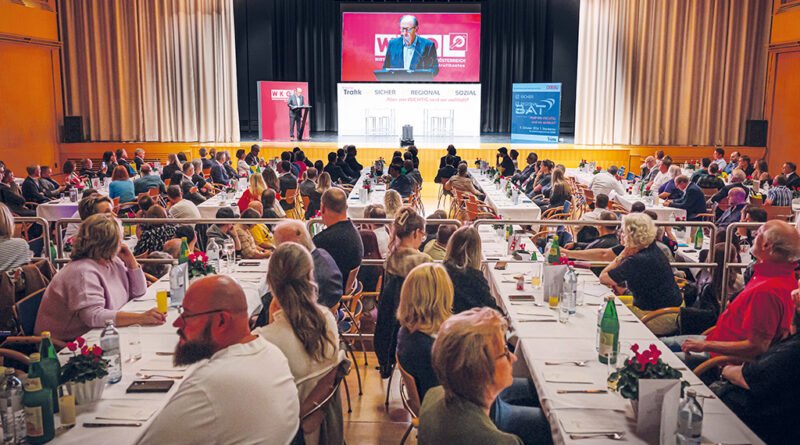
296, 100
410, 51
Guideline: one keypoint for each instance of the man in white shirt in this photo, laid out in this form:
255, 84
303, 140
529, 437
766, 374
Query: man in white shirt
719, 158
605, 181
663, 174
242, 392
181, 208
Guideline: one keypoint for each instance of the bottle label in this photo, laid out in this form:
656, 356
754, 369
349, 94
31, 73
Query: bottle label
34, 425
33, 384
606, 344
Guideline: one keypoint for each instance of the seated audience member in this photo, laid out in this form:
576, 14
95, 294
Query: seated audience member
299, 161
663, 176
11, 195
736, 179
173, 165
762, 312
148, 181
462, 260
351, 160
228, 165
315, 194
326, 272
649, 169
50, 187
654, 290
606, 181
153, 236
761, 172
425, 302
255, 188
779, 194
101, 277
711, 180
190, 193
542, 179
558, 194
219, 174
529, 170
244, 380
702, 171
122, 160
341, 155
303, 330
319, 165
138, 158
32, 189
447, 171
308, 184
737, 199
271, 179
746, 165
693, 200
381, 231
473, 364
432, 228
789, 170
253, 158
451, 151
250, 250
261, 233
505, 164
173, 246
392, 202
400, 183
606, 239
638, 207
288, 181
224, 232
669, 190
413, 173
587, 234
436, 248
340, 237
462, 183
268, 203
86, 169
764, 392
14, 252
335, 171
242, 166
408, 231
181, 208
157, 270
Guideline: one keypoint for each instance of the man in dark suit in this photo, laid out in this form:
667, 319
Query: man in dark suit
252, 157
792, 179
693, 200
410, 51
295, 114
31, 188
287, 181
530, 170
336, 173
340, 161
507, 168
447, 171
451, 151
218, 173
400, 182
207, 163
351, 159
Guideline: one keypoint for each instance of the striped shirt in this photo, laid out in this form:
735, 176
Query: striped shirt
14, 252
780, 196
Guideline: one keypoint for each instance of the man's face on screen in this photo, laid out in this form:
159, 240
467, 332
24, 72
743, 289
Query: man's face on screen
408, 29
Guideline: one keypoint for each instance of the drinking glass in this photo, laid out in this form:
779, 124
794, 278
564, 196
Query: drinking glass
134, 343
563, 310
581, 292
230, 254
613, 370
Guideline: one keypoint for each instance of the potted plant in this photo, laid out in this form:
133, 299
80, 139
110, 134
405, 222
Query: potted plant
198, 266
84, 371
597, 170
582, 163
647, 365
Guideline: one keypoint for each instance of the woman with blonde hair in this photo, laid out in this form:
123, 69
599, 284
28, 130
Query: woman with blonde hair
558, 191
14, 252
392, 201
425, 302
303, 330
408, 233
101, 277
315, 196
462, 259
255, 188
654, 289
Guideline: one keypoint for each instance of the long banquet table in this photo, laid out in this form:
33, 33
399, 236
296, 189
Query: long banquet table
355, 203
541, 341
154, 340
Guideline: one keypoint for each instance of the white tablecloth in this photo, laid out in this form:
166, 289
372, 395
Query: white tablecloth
524, 209
153, 339
208, 209
663, 212
575, 340
355, 203
59, 209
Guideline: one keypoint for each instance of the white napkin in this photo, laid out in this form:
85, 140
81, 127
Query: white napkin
160, 364
582, 421
567, 375
126, 411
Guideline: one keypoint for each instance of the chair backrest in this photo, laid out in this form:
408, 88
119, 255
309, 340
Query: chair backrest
756, 202
116, 201
351, 279
206, 172
778, 212
311, 413
26, 309
709, 192
408, 392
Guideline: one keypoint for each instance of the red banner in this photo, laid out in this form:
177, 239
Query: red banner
273, 114
366, 36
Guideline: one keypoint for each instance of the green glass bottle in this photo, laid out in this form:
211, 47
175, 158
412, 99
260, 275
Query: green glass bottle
38, 403
698, 239
50, 366
53, 253
609, 333
555, 252
183, 256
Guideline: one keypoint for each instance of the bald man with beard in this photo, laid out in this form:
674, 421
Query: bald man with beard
241, 392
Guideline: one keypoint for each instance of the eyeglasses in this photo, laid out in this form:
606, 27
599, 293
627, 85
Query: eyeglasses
506, 353
407, 29
181, 314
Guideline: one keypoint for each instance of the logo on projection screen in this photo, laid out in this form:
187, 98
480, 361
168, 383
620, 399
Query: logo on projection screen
447, 45
280, 94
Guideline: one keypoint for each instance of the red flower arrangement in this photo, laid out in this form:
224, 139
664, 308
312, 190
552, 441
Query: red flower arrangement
647, 365
88, 365
198, 265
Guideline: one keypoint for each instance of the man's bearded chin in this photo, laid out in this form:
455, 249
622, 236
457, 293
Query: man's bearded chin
192, 351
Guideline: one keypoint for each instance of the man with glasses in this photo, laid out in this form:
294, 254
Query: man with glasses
242, 391
410, 51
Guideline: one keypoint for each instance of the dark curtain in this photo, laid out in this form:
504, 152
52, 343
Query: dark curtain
300, 40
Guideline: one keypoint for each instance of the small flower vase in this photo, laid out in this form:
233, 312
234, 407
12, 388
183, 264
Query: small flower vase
87, 392
501, 232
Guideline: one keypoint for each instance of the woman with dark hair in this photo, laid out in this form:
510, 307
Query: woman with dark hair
121, 186
319, 165
70, 175
299, 161
241, 164
408, 233
302, 329
110, 164
153, 236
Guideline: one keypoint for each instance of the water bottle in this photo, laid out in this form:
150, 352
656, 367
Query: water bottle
109, 341
571, 288
213, 254
177, 284
11, 408
599, 321
690, 420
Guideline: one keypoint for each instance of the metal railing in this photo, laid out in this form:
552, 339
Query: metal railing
45, 232
729, 234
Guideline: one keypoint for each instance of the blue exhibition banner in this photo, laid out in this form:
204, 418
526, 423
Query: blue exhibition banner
536, 112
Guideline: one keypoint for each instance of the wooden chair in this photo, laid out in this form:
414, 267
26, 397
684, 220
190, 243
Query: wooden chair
709, 192
716, 362
756, 202
291, 200
311, 408
410, 399
26, 309
351, 300
206, 173
779, 212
